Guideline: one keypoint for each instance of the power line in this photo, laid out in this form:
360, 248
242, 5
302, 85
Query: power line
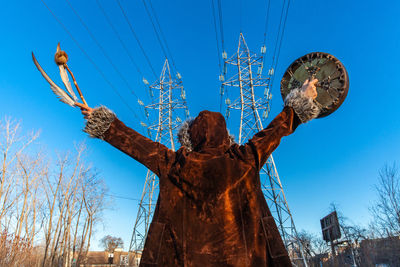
90, 59
240, 14
264, 48
220, 25
158, 35
121, 41
266, 21
279, 32
280, 41
283, 32
103, 50
216, 35
221, 33
125, 48
136, 37
162, 34
122, 197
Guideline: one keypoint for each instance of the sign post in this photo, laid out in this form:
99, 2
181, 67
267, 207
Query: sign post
331, 230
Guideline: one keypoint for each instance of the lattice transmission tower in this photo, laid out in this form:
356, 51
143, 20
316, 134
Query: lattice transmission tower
169, 108
250, 95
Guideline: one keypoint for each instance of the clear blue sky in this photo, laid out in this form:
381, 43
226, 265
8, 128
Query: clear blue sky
335, 159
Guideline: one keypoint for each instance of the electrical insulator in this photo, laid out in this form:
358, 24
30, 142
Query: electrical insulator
266, 91
178, 119
145, 81
183, 95
151, 92
221, 91
143, 124
178, 75
187, 113
271, 71
263, 49
225, 68
228, 113
265, 114
140, 102
224, 55
259, 71
227, 101
146, 112
221, 77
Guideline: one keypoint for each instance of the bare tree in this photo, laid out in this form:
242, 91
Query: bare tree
386, 209
76, 198
110, 243
18, 186
352, 235
12, 145
48, 211
313, 244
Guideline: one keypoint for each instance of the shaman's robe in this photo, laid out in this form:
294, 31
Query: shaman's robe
210, 210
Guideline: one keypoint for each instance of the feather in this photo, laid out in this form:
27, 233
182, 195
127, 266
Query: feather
63, 96
65, 79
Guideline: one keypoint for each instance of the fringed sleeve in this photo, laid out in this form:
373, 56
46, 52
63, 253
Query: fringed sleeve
103, 124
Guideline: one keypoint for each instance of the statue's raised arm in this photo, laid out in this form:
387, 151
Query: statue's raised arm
299, 108
102, 123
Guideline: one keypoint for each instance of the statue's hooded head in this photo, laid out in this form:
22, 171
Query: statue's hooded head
207, 130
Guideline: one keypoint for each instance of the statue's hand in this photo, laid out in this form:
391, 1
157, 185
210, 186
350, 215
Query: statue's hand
309, 88
86, 110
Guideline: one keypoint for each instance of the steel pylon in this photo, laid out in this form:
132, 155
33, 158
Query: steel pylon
168, 109
247, 92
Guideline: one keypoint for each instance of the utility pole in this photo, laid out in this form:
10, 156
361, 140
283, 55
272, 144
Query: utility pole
169, 105
251, 97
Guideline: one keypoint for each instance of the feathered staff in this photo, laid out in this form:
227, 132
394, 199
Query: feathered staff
61, 59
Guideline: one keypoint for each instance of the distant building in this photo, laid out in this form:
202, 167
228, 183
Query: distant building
382, 252
105, 259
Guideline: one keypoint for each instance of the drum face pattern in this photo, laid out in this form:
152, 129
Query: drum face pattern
333, 80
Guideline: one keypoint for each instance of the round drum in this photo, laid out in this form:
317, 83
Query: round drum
333, 80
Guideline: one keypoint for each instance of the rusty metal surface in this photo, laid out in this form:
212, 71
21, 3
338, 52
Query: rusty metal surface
333, 80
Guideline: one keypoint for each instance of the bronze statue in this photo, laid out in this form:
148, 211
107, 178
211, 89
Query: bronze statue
211, 210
